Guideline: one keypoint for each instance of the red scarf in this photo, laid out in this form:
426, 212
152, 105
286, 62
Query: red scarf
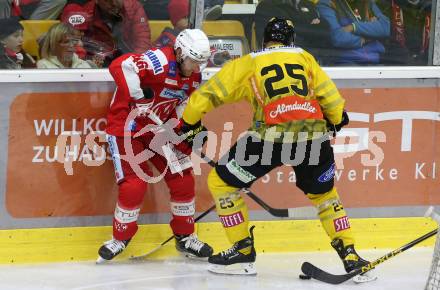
398, 24
426, 31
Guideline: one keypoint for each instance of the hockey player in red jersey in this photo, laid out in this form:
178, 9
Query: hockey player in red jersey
150, 88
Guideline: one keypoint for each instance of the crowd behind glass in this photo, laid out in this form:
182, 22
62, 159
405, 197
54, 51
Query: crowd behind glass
91, 33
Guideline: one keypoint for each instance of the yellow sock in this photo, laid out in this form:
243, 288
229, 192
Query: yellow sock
231, 209
333, 217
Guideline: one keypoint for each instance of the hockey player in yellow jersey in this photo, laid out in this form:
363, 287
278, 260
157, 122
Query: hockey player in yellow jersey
294, 101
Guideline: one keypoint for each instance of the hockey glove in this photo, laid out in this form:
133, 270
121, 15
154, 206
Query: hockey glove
336, 128
143, 105
191, 140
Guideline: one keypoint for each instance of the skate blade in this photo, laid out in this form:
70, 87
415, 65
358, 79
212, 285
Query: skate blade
101, 260
194, 257
365, 278
234, 269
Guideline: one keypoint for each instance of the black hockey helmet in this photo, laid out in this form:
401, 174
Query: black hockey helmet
279, 30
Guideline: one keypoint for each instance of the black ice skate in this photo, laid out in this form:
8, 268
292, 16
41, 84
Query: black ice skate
111, 249
192, 247
238, 260
352, 261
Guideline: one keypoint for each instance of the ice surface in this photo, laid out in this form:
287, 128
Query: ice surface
407, 271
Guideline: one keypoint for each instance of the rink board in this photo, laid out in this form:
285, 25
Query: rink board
53, 210
82, 243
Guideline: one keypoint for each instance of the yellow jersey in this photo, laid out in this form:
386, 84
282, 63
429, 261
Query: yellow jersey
288, 91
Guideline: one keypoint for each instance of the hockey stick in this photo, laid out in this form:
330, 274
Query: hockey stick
432, 214
277, 212
321, 275
140, 257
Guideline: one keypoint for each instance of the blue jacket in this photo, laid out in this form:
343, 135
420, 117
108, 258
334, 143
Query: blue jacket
349, 43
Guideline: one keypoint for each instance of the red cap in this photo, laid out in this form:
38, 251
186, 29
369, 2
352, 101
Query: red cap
75, 15
178, 9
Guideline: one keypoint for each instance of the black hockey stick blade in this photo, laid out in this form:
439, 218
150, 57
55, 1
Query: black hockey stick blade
321, 275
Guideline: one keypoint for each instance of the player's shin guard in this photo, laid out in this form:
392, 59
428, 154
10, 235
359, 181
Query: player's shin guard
233, 213
182, 224
182, 202
131, 195
333, 216
335, 222
231, 209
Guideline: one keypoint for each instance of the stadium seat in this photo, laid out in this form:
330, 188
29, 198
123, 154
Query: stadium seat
224, 28
33, 29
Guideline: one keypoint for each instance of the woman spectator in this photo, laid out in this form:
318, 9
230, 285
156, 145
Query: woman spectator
85, 48
12, 55
58, 50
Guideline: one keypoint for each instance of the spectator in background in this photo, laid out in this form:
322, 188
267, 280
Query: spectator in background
117, 27
213, 9
12, 55
157, 9
178, 11
416, 23
311, 33
32, 9
76, 17
356, 29
58, 49
410, 31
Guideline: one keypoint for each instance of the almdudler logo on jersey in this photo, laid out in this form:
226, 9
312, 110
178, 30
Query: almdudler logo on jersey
291, 108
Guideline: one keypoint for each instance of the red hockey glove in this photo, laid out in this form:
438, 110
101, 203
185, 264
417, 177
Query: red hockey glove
143, 105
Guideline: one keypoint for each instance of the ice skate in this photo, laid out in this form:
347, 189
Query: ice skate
237, 260
192, 247
111, 249
352, 261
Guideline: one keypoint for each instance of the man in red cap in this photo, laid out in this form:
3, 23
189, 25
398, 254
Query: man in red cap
115, 27
85, 47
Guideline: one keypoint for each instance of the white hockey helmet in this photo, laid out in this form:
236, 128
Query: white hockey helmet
194, 44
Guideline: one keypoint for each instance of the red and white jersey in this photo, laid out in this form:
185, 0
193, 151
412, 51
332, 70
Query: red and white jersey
153, 75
